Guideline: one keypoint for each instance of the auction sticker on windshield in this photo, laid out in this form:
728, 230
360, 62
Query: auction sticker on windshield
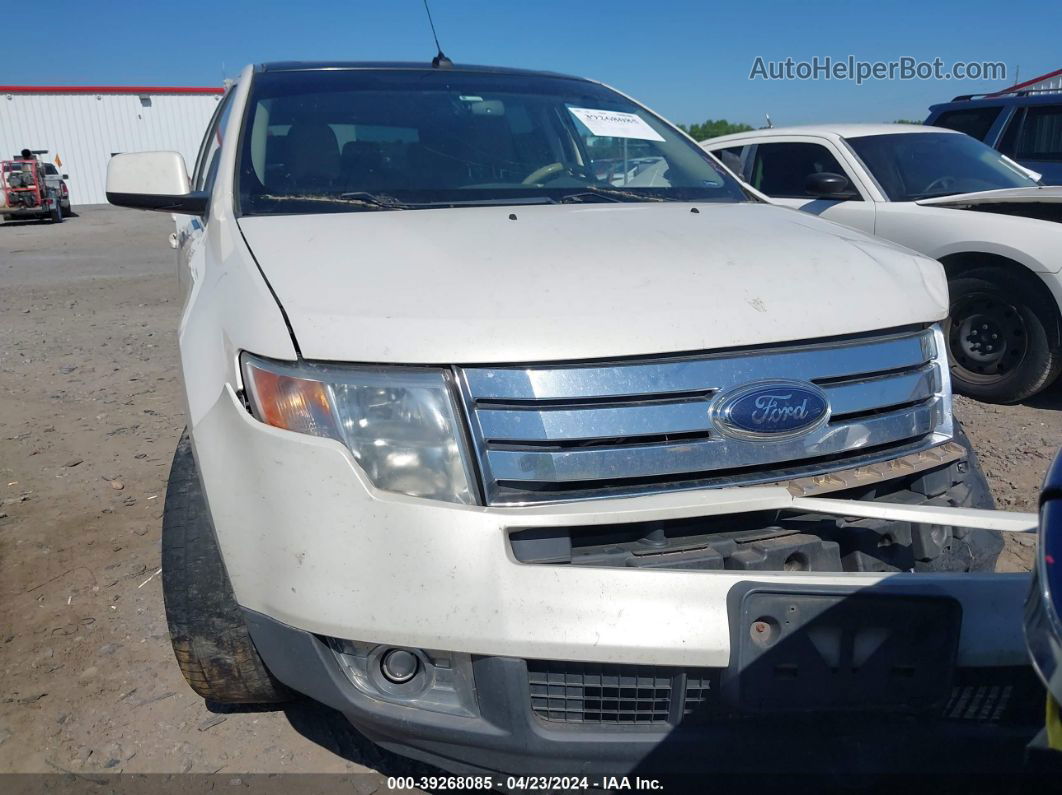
615, 124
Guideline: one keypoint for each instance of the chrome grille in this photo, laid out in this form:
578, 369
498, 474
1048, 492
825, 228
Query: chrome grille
549, 432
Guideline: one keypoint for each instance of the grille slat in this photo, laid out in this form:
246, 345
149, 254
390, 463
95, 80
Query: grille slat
701, 456
553, 427
695, 374
558, 424
854, 397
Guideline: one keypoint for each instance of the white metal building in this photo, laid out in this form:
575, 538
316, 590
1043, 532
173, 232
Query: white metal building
83, 126
1050, 82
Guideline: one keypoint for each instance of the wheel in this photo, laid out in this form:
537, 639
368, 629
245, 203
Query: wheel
999, 336
56, 214
210, 639
66, 209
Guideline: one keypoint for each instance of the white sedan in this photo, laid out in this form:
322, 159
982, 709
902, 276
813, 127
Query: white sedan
946, 195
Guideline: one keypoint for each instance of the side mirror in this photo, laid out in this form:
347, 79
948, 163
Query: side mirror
66, 176
153, 181
824, 185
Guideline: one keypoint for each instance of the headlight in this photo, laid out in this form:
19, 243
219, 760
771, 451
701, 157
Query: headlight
400, 423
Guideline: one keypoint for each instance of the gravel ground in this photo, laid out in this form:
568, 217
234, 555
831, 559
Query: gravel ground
90, 412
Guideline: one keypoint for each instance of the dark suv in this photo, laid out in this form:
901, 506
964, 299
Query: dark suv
1025, 126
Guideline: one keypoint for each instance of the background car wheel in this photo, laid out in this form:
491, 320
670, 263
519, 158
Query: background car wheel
1000, 336
213, 647
57, 214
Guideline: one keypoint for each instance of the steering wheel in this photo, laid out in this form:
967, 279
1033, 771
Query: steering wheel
542, 174
944, 183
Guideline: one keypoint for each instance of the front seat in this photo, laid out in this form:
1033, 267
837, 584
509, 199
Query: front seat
313, 156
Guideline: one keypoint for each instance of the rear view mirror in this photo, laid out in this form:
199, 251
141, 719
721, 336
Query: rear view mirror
824, 185
66, 176
1043, 609
153, 181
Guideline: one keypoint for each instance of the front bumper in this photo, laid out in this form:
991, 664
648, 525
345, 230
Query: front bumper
983, 729
307, 541
314, 552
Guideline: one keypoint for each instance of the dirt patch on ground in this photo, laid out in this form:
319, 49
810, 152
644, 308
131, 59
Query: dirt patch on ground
1016, 445
90, 413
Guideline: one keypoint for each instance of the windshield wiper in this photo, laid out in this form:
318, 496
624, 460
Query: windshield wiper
380, 200
494, 202
588, 195
935, 195
609, 194
369, 200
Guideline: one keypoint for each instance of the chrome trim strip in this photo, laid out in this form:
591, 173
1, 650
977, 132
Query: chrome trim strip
702, 374
866, 474
884, 391
517, 496
704, 456
591, 422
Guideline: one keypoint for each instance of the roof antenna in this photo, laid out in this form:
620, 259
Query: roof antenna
440, 61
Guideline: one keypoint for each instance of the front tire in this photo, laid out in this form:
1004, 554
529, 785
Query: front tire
209, 637
999, 335
56, 214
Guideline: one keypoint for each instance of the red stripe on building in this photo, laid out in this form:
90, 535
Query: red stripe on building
137, 90
1020, 86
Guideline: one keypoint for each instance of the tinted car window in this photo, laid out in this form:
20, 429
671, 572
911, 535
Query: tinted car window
780, 170
1040, 136
349, 140
975, 122
731, 157
912, 166
210, 153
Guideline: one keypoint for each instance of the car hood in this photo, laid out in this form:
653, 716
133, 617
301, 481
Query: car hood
548, 283
1051, 194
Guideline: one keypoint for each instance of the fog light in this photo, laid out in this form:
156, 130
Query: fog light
437, 681
399, 665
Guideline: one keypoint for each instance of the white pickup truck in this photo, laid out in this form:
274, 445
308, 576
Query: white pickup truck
528, 459
952, 198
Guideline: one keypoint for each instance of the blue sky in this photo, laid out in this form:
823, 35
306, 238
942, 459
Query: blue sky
687, 60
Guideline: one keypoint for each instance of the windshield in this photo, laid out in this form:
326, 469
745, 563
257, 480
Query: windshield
359, 140
912, 166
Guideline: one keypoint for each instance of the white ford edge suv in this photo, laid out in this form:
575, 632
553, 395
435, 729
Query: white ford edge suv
524, 435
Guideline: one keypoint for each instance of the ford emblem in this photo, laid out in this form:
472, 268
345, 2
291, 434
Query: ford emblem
769, 410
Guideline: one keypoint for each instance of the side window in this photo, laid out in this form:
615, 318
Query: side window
975, 122
206, 165
731, 157
780, 170
1040, 137
1010, 135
